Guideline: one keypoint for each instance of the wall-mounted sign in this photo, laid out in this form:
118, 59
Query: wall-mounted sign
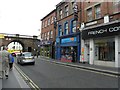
107, 30
1, 35
66, 40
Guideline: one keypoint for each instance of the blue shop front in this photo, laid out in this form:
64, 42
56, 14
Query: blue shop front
68, 48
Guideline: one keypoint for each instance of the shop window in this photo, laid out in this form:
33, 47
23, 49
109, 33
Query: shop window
105, 51
66, 29
89, 14
97, 11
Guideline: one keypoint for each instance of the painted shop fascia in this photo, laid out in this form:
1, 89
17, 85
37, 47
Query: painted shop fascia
102, 31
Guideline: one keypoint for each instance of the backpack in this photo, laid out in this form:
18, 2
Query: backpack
11, 59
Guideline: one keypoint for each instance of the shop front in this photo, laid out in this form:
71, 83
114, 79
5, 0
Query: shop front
68, 50
46, 48
102, 45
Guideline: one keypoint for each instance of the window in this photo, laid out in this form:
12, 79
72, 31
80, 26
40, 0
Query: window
89, 14
52, 19
60, 14
60, 30
48, 21
42, 24
116, 6
51, 34
66, 28
73, 26
66, 10
73, 5
48, 36
45, 36
97, 12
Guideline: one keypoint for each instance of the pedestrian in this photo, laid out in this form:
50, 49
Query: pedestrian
73, 55
11, 60
4, 55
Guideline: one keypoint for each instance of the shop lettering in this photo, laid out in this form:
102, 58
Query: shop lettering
114, 29
97, 32
101, 31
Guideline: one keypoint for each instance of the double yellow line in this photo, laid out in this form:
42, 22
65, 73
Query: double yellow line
27, 79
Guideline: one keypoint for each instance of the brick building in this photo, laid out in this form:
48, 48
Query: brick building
48, 35
67, 34
101, 33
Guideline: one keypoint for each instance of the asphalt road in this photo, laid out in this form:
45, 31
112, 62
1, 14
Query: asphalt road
49, 75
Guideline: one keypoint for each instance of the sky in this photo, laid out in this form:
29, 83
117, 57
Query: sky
23, 16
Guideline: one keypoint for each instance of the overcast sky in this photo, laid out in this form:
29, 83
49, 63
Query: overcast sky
23, 16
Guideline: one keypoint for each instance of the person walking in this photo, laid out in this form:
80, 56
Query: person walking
11, 61
4, 55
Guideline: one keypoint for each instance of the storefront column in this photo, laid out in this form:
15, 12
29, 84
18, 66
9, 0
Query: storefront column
91, 51
117, 51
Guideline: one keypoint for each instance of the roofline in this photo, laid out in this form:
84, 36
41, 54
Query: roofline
60, 3
48, 14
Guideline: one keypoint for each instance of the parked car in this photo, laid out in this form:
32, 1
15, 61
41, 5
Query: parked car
25, 58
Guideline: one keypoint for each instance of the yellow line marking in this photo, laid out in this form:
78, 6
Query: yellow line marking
27, 78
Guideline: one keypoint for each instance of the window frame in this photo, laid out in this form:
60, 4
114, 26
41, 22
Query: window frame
97, 11
89, 14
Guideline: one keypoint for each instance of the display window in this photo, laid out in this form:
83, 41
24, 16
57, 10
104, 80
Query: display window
105, 49
67, 53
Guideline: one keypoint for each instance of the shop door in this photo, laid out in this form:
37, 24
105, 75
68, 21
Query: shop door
87, 53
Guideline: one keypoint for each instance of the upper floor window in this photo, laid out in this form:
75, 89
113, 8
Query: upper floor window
66, 10
51, 34
116, 6
42, 24
66, 28
89, 14
97, 11
60, 30
46, 23
73, 26
49, 21
60, 14
73, 5
47, 35
52, 19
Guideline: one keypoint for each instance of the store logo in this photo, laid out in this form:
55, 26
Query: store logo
72, 39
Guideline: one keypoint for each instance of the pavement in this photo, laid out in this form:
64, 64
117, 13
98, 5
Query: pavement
14, 81
86, 66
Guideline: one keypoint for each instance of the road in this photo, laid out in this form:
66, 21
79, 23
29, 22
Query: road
50, 75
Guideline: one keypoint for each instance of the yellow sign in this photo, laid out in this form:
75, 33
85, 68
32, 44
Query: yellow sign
1, 35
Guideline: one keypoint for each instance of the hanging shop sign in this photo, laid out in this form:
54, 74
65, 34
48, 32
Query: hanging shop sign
67, 40
107, 30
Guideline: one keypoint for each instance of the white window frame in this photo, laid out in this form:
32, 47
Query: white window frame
89, 14
97, 11
66, 10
